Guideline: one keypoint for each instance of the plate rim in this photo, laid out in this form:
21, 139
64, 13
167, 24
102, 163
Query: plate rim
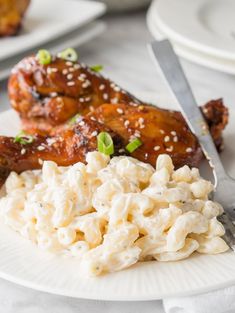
105, 296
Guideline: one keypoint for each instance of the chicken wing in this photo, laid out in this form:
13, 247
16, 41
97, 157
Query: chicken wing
160, 131
11, 14
47, 96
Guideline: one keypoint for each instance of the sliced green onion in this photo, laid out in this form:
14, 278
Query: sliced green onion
96, 68
23, 138
74, 119
69, 54
105, 143
133, 145
44, 57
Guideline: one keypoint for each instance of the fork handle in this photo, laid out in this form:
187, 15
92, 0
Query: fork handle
175, 77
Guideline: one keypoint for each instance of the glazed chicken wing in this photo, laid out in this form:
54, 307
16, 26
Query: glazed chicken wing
47, 96
160, 131
11, 14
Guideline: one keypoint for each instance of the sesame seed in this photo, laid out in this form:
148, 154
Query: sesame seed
114, 100
173, 133
105, 96
76, 66
91, 108
120, 111
53, 94
40, 148
123, 91
146, 156
162, 131
175, 139
137, 133
83, 75
126, 123
101, 87
70, 83
189, 150
112, 85
167, 138
134, 104
40, 161
94, 133
82, 123
68, 63
50, 141
23, 151
65, 71
116, 88
170, 149
71, 69
121, 150
69, 76
86, 84
88, 99
93, 118
156, 148
81, 99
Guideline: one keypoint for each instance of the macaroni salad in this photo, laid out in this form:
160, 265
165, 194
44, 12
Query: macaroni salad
111, 214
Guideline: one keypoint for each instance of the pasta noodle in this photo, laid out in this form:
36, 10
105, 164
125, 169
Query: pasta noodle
110, 214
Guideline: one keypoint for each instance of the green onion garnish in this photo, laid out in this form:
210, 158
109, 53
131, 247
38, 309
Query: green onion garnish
74, 119
68, 54
105, 143
44, 57
133, 145
96, 68
23, 138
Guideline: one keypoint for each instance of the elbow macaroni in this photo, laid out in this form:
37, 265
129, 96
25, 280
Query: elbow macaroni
111, 214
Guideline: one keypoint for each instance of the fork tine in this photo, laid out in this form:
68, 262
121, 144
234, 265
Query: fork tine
229, 235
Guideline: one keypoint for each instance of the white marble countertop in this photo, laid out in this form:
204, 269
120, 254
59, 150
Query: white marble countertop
122, 50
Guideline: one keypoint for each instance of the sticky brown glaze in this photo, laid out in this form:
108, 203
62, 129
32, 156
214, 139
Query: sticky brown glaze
46, 96
11, 14
69, 146
161, 131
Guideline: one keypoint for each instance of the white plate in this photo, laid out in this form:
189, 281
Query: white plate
203, 25
223, 65
73, 39
190, 54
46, 20
23, 263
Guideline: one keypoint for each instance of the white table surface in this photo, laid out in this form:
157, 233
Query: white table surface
122, 51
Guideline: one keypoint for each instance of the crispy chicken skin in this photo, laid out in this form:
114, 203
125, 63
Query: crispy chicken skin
11, 14
46, 97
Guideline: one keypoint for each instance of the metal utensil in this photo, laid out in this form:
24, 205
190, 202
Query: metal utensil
224, 185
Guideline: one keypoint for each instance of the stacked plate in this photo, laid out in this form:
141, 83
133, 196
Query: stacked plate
53, 25
202, 31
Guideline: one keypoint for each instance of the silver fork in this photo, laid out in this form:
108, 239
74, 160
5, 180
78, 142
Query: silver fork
224, 185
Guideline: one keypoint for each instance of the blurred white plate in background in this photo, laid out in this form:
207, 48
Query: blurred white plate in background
46, 20
202, 31
74, 39
23, 263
